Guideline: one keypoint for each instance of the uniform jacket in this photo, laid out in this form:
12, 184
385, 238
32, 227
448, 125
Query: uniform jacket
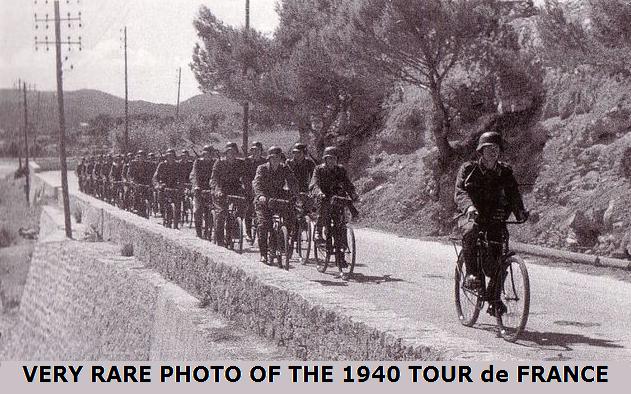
89, 169
270, 183
303, 172
227, 177
140, 171
105, 169
251, 165
201, 173
80, 169
487, 190
96, 170
116, 172
331, 181
168, 174
185, 167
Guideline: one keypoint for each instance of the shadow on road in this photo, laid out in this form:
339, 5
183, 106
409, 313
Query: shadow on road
337, 283
563, 341
361, 278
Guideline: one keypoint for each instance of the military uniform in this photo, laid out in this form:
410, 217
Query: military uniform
168, 175
185, 168
79, 171
89, 179
270, 183
330, 181
200, 180
251, 164
303, 171
226, 180
140, 173
495, 194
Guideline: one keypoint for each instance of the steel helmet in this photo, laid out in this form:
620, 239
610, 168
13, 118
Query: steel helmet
489, 138
330, 151
274, 150
299, 146
207, 148
232, 145
257, 144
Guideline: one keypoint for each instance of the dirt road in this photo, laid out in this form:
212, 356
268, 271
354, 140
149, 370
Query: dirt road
573, 315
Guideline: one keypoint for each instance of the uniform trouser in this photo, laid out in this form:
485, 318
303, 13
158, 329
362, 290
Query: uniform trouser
171, 198
249, 213
201, 210
471, 232
326, 212
139, 198
221, 212
264, 217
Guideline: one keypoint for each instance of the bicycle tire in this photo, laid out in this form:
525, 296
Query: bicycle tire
515, 294
468, 302
239, 235
286, 255
208, 224
350, 253
304, 240
320, 253
147, 209
175, 224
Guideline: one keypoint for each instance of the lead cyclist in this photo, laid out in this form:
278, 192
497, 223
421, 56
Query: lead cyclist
487, 193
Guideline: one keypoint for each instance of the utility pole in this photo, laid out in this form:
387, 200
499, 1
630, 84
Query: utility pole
177, 107
16, 129
126, 137
246, 104
27, 187
60, 102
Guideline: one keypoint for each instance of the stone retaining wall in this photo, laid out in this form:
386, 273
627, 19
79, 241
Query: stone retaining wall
312, 322
83, 301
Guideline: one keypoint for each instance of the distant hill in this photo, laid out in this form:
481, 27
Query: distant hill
83, 105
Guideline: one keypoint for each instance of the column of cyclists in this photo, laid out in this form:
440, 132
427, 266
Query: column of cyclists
290, 207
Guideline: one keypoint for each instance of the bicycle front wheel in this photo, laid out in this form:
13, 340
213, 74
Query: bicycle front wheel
320, 251
514, 292
286, 252
468, 301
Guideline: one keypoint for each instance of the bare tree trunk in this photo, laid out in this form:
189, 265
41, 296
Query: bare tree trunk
440, 127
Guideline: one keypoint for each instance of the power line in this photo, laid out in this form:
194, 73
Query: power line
58, 42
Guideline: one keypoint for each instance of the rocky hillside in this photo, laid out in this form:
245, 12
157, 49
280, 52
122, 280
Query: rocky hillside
574, 164
572, 156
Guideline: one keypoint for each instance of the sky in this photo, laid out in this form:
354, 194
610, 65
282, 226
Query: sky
160, 39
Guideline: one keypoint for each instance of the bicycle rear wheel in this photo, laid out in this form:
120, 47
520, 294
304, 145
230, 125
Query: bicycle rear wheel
303, 243
468, 302
514, 292
286, 248
238, 235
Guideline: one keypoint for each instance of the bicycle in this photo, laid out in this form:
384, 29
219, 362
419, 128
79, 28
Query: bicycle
118, 194
142, 199
302, 228
171, 200
187, 205
233, 237
333, 246
206, 219
280, 247
512, 285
